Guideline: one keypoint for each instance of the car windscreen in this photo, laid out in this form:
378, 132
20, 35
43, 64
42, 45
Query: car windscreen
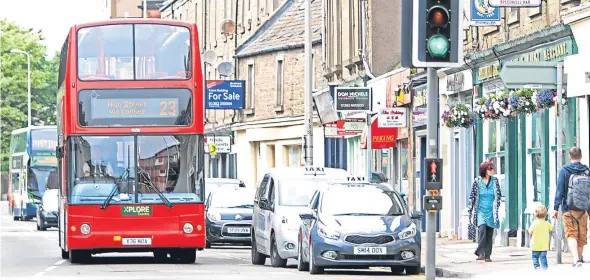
361, 201
298, 192
239, 198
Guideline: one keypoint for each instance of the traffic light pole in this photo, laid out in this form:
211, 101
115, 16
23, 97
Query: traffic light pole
432, 151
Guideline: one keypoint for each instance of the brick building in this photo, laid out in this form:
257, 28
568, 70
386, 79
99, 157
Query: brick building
272, 64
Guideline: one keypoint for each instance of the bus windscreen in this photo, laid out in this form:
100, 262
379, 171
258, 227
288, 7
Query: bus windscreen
135, 107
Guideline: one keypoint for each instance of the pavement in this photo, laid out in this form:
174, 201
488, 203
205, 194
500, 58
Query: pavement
456, 259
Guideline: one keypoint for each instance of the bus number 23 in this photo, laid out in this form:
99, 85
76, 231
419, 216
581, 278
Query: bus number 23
168, 108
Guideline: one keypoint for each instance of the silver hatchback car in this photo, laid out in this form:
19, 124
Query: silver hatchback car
281, 195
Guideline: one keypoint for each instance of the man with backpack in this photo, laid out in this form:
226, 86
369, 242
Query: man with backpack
573, 196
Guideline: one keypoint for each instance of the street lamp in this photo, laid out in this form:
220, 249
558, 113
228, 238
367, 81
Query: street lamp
28, 82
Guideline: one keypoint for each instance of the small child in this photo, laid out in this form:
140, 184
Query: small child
540, 232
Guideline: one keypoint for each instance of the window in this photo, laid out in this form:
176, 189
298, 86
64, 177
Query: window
101, 164
280, 89
134, 52
250, 94
345, 201
294, 156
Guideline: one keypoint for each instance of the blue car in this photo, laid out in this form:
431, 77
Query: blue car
357, 226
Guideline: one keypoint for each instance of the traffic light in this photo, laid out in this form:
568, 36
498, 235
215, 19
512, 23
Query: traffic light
437, 33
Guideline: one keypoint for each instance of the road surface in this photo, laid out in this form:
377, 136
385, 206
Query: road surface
31, 254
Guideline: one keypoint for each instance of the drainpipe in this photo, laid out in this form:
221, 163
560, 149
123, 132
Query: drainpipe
323, 33
364, 39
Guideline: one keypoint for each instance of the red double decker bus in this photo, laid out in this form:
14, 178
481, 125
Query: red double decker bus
130, 140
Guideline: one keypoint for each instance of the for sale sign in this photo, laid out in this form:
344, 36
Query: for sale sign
358, 99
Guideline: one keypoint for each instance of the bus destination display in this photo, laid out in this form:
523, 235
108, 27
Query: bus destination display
116, 108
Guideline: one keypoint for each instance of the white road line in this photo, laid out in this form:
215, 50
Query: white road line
38, 274
59, 262
50, 268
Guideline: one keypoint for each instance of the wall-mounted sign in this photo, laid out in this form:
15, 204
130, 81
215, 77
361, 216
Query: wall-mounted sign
223, 143
393, 117
483, 14
514, 3
225, 95
382, 138
344, 128
353, 99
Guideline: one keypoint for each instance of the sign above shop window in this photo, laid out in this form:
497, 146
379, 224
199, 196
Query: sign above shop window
382, 138
344, 128
515, 3
393, 117
356, 99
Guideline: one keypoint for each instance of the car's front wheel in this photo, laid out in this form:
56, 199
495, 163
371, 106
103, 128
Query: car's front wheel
301, 265
275, 258
413, 270
313, 268
257, 258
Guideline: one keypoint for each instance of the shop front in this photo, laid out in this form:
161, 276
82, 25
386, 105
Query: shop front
522, 145
273, 144
577, 69
457, 151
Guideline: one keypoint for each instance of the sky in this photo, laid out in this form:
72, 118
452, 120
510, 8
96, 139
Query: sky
54, 17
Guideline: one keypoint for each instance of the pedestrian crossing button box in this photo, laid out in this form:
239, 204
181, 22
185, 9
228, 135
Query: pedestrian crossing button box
432, 203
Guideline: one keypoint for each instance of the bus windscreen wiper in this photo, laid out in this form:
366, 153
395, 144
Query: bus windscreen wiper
111, 195
148, 182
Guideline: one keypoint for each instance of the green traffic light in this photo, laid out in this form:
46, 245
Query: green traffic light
438, 46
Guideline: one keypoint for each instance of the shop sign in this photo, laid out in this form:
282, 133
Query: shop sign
555, 52
483, 14
420, 96
515, 3
393, 117
381, 138
356, 99
344, 128
419, 117
488, 72
455, 82
223, 143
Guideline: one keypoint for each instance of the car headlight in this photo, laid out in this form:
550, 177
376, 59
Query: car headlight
213, 216
187, 228
326, 233
409, 232
85, 229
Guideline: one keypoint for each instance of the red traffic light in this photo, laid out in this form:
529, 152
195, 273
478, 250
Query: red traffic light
438, 16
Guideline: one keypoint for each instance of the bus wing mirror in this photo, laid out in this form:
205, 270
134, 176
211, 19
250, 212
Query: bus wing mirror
59, 152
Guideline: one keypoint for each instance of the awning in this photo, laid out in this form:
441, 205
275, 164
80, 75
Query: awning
382, 138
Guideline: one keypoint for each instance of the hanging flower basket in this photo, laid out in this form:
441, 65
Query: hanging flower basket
521, 101
544, 99
458, 116
494, 107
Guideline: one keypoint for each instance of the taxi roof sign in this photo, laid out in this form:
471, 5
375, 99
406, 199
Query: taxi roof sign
311, 170
355, 179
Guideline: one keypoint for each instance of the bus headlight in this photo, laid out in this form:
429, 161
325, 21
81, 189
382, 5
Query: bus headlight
187, 228
85, 229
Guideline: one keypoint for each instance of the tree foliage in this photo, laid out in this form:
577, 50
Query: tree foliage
13, 82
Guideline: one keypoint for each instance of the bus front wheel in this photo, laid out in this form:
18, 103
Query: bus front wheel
65, 255
79, 256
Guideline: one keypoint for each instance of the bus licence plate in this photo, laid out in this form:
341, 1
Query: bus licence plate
370, 251
238, 230
137, 241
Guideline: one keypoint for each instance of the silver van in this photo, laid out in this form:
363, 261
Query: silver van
280, 197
